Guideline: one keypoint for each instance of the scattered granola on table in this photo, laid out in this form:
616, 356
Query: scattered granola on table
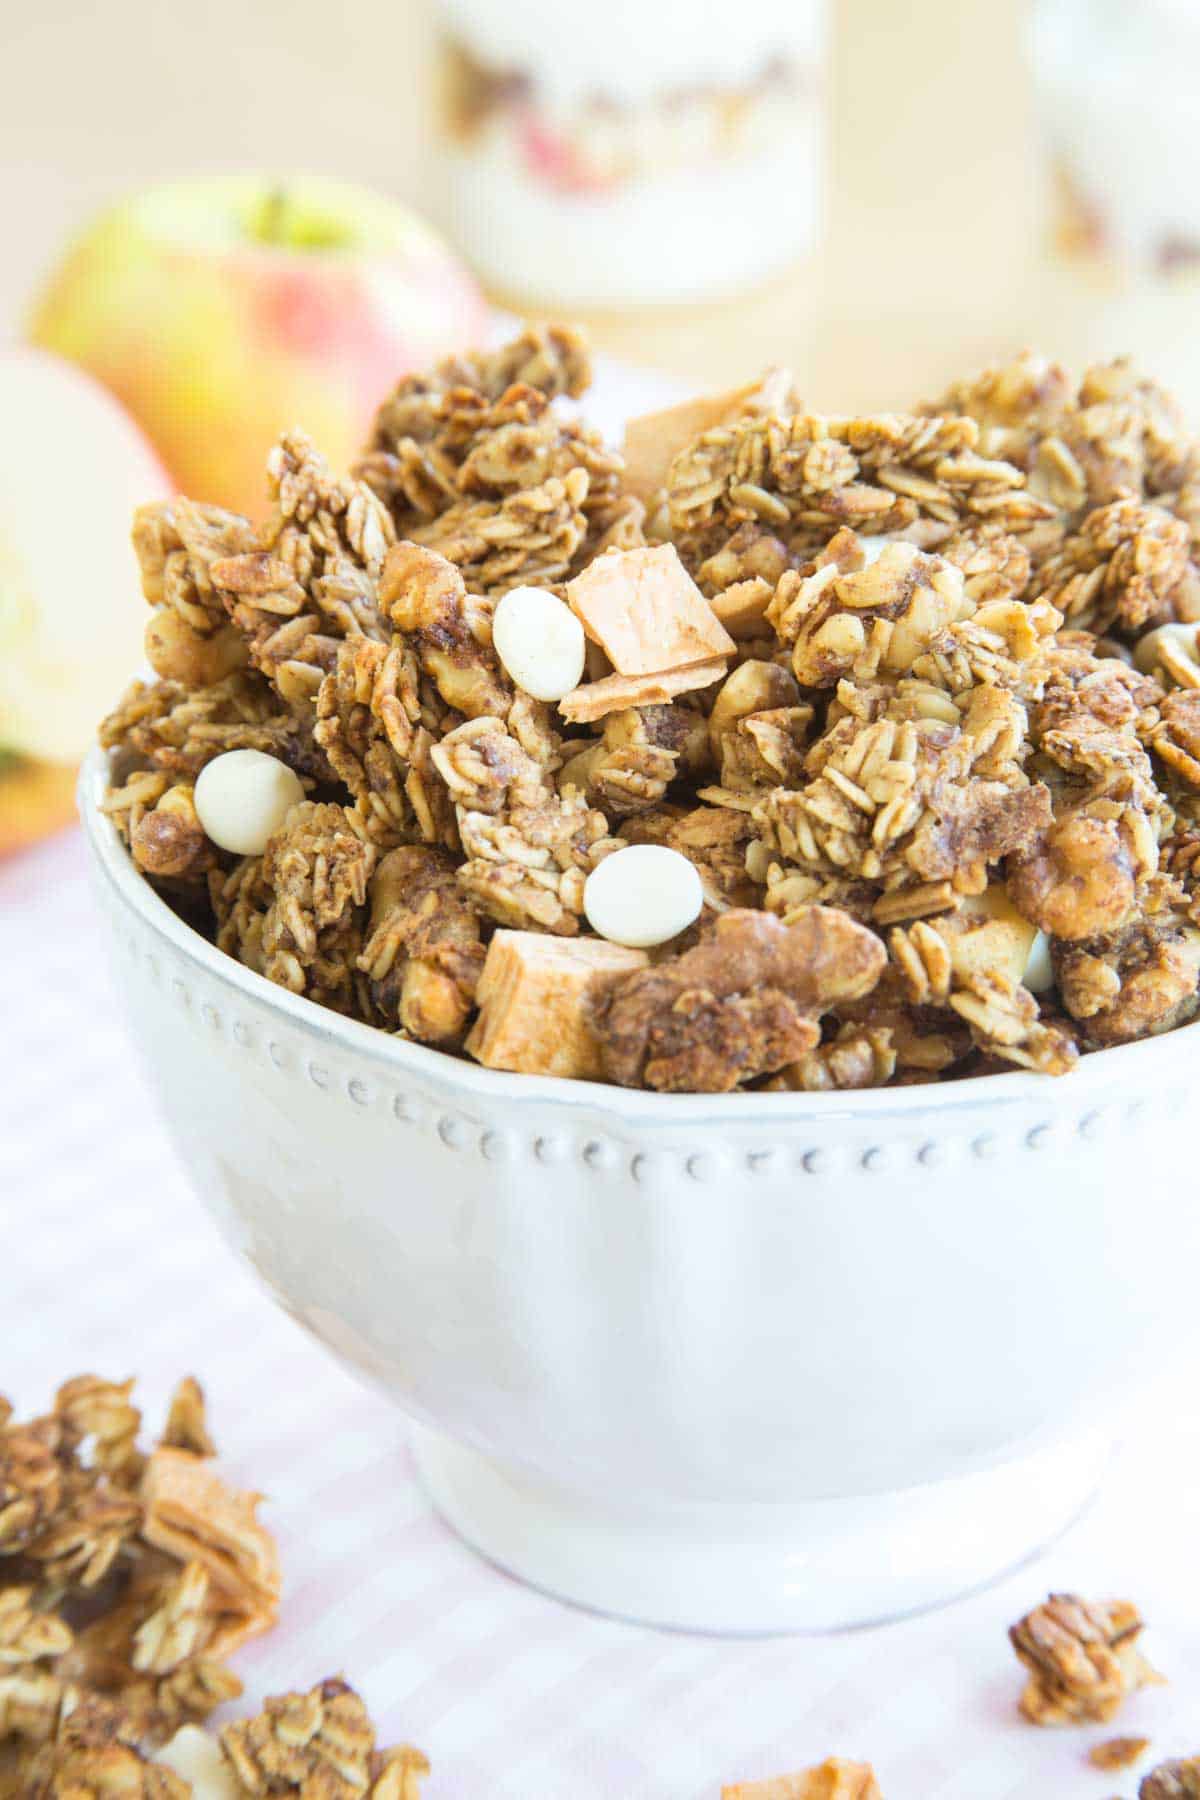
126, 1579
926, 680
835, 1779
1083, 1659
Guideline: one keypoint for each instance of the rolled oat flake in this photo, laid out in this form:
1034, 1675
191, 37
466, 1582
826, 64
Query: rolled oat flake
643, 895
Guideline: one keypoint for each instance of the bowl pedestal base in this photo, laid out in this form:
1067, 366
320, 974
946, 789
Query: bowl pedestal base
819, 1565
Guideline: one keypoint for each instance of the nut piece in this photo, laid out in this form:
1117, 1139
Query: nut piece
646, 612
643, 895
422, 954
833, 1780
243, 797
1083, 1659
596, 699
1175, 1780
741, 1004
539, 641
531, 1002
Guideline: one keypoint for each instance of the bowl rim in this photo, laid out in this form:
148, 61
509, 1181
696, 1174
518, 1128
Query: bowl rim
1130, 1065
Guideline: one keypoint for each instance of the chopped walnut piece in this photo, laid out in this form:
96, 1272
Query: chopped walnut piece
422, 954
1083, 1659
531, 1002
835, 1779
614, 693
645, 611
1118, 1752
740, 1004
1175, 1780
1135, 982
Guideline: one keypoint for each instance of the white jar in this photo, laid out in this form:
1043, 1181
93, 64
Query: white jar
638, 151
1117, 86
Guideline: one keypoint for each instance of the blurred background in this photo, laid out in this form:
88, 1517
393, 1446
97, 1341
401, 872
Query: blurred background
882, 196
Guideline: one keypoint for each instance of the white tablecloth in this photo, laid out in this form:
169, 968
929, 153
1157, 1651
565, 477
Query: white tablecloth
109, 1264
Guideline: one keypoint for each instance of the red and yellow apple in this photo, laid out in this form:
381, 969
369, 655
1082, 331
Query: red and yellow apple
221, 312
73, 466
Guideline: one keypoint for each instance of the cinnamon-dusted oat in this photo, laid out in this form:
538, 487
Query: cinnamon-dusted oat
1083, 1659
904, 714
835, 1779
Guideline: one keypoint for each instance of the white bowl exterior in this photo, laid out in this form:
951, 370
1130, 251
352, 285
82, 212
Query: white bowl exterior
739, 1299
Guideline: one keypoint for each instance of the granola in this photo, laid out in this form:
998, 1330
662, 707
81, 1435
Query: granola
916, 672
1083, 1659
1175, 1780
126, 1579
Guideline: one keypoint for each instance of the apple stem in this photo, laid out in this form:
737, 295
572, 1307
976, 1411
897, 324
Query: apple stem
271, 221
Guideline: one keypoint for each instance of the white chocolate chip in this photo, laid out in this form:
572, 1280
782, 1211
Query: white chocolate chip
243, 797
1183, 640
1039, 970
540, 642
198, 1758
643, 895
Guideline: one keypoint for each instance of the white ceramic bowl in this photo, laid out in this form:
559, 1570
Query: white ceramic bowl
758, 1362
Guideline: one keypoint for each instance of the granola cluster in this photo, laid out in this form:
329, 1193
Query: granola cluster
926, 685
126, 1580
1083, 1659
126, 1577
